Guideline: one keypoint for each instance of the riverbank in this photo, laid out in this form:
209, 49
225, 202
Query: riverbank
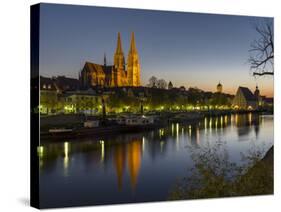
75, 128
103, 130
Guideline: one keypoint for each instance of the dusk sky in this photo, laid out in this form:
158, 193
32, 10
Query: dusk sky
186, 48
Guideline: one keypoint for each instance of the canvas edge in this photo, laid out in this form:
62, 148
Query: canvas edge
34, 102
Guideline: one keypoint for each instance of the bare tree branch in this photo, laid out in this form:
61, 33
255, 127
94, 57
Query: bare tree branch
262, 73
262, 51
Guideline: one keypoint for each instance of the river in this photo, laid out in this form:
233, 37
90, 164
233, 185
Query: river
140, 167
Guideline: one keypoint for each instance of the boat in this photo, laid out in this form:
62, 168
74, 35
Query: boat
60, 130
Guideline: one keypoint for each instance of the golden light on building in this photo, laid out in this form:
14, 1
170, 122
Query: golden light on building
121, 73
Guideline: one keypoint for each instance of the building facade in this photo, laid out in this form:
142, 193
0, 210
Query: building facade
245, 99
117, 75
87, 102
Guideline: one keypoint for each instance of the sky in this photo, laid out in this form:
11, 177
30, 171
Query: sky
189, 49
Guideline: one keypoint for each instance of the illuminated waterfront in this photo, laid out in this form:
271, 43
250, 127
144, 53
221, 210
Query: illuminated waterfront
140, 167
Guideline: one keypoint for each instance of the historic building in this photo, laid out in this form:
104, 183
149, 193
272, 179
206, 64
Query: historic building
62, 95
245, 99
219, 88
117, 75
48, 95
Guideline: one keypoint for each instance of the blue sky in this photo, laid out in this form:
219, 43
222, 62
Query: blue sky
190, 49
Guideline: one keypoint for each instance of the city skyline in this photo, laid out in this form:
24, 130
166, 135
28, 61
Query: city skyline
193, 50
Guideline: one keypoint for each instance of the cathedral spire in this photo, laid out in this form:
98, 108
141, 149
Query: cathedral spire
104, 59
133, 65
133, 48
119, 45
119, 60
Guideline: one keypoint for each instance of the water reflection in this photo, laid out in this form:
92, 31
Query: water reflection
120, 163
120, 160
66, 158
134, 160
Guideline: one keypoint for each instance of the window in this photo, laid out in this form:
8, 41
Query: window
44, 86
49, 86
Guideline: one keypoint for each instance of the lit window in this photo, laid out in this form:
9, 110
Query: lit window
49, 86
44, 86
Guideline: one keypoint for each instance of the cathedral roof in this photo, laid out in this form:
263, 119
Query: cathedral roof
94, 67
101, 69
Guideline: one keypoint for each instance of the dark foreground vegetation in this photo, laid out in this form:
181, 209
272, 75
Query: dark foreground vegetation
215, 176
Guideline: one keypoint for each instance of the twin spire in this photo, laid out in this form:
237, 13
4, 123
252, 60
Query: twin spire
130, 71
133, 48
119, 49
119, 45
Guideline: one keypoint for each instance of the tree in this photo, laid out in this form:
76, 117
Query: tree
262, 50
162, 84
152, 81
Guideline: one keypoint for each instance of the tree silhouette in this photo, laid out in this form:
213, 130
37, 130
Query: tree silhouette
262, 50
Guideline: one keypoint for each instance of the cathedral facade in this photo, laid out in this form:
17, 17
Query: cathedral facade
117, 75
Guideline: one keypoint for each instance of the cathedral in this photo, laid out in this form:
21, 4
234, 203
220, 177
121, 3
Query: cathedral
116, 75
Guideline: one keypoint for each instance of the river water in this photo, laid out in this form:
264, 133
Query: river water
140, 167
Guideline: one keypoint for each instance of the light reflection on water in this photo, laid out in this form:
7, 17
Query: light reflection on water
139, 166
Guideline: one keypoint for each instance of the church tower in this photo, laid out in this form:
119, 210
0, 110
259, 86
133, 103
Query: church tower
219, 88
119, 60
257, 92
118, 73
133, 65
